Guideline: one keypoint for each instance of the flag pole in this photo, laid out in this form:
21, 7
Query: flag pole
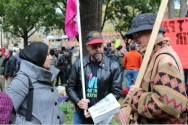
81, 51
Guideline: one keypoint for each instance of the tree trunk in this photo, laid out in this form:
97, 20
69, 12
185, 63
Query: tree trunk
183, 8
25, 38
91, 17
171, 12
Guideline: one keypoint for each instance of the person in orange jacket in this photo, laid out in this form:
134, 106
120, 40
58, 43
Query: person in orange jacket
131, 62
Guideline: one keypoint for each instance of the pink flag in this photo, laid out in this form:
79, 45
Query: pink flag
71, 25
46, 41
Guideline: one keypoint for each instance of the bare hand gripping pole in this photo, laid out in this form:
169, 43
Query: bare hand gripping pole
147, 55
81, 51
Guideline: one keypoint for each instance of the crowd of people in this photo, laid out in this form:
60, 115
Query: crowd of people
33, 75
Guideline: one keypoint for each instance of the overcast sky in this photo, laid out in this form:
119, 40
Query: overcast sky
177, 5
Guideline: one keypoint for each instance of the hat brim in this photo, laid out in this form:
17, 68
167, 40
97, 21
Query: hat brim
142, 28
95, 41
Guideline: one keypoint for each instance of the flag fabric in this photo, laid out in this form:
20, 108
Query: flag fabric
71, 25
46, 41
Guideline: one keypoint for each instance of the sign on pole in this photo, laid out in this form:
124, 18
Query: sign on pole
177, 30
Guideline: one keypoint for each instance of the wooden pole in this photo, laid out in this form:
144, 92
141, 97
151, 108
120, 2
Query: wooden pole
150, 46
151, 42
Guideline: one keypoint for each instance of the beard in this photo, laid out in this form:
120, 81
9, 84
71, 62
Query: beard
97, 57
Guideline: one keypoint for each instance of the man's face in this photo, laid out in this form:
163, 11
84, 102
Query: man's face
142, 38
96, 51
7, 54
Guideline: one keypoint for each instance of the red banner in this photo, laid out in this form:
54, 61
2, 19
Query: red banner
177, 30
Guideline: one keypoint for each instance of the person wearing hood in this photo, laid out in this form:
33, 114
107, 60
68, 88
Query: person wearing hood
35, 68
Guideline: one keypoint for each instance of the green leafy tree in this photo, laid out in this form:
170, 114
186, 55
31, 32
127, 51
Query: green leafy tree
23, 17
121, 12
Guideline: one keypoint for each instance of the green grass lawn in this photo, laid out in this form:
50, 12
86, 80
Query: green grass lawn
68, 109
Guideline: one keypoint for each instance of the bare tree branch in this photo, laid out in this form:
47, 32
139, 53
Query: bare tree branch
33, 32
105, 15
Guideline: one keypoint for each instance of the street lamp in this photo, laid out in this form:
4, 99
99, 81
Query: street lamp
1, 26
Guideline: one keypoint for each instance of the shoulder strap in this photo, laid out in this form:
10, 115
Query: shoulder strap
176, 64
30, 98
167, 54
155, 60
29, 101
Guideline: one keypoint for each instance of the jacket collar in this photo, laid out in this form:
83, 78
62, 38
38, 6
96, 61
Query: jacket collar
38, 73
103, 64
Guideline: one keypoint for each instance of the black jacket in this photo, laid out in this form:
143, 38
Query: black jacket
108, 75
9, 65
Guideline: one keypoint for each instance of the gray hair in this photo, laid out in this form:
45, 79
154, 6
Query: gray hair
132, 46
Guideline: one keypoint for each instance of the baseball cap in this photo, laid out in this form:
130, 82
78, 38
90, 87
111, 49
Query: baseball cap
94, 37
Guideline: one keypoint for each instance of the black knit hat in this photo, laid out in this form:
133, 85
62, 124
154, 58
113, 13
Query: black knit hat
143, 22
35, 53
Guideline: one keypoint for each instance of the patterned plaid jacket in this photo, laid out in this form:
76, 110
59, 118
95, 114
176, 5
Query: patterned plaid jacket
162, 99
